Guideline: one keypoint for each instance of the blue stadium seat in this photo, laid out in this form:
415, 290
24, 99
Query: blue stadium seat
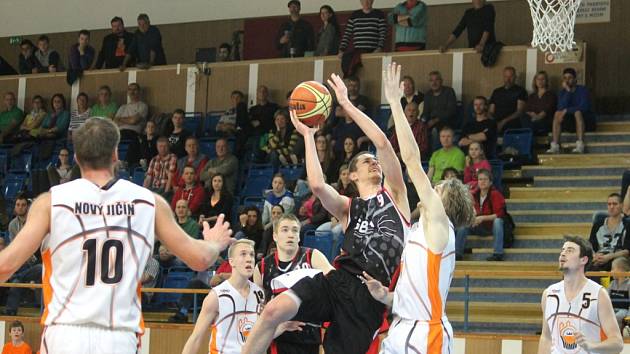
210, 123
192, 122
138, 176
258, 202
320, 240
5, 236
255, 186
173, 280
123, 148
21, 163
292, 173
4, 163
497, 174
382, 116
260, 170
520, 139
12, 186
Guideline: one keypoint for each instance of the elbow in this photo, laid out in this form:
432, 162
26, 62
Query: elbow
317, 187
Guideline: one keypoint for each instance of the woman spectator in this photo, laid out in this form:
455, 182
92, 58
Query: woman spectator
540, 107
219, 202
475, 161
251, 226
282, 142
267, 243
328, 35
54, 126
277, 195
79, 115
148, 148
30, 126
349, 150
104, 107
62, 171
344, 185
324, 154
311, 214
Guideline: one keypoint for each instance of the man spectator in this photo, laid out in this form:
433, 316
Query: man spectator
440, 105
193, 159
295, 36
191, 191
418, 128
225, 53
20, 210
479, 22
482, 129
610, 236
574, 101
366, 30
49, 59
261, 114
146, 47
115, 46
131, 117
28, 63
448, 156
225, 163
507, 102
190, 226
161, 170
10, 118
177, 137
82, 53
362, 102
234, 118
410, 21
490, 209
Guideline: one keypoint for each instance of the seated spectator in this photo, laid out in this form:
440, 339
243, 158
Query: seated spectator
225, 163
343, 159
507, 102
490, 209
440, 107
131, 118
104, 107
540, 107
311, 215
268, 244
80, 115
146, 48
366, 30
17, 345
362, 102
177, 137
219, 201
81, 55
281, 143
225, 53
475, 161
447, 156
328, 35
161, 171
190, 226
115, 46
449, 173
479, 22
344, 184
62, 171
191, 191
295, 36
278, 194
251, 226
409, 92
49, 59
56, 122
234, 118
261, 114
482, 129
409, 18
28, 63
418, 128
609, 236
619, 289
30, 126
20, 210
344, 129
574, 101
325, 155
147, 142
10, 118
193, 159
149, 278
6, 68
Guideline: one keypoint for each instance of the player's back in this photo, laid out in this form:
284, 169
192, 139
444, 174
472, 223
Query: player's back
95, 254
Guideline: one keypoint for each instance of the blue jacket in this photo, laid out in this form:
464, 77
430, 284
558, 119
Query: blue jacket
417, 30
578, 100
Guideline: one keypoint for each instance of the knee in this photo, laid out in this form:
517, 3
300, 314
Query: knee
275, 312
497, 224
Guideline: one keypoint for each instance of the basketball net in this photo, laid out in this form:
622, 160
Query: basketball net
554, 21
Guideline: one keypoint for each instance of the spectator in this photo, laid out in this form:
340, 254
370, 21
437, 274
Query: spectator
104, 107
609, 236
482, 130
132, 116
28, 63
479, 22
268, 244
490, 210
20, 210
56, 122
448, 156
191, 191
6, 68
475, 161
17, 345
440, 107
225, 53
573, 102
182, 214
79, 115
225, 163
278, 194
281, 143
325, 155
177, 137
62, 171
619, 289
193, 159
344, 185
410, 94
311, 215
115, 46
349, 151
146, 46
261, 114
234, 118
366, 30
251, 226
49, 59
30, 126
219, 202
507, 103
540, 107
10, 118
347, 129
358, 100
159, 177
449, 173
328, 35
82, 53
418, 128
147, 144
296, 36
409, 18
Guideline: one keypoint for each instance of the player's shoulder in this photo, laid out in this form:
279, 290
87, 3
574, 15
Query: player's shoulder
254, 287
555, 288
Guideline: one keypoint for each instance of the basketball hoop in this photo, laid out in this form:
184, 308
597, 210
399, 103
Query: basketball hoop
554, 21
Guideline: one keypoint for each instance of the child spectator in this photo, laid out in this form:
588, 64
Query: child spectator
17, 345
278, 194
619, 289
475, 161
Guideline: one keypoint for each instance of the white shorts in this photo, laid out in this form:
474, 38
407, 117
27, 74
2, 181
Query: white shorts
74, 339
408, 336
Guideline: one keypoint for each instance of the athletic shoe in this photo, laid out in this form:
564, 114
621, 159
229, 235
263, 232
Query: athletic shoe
554, 148
579, 147
495, 258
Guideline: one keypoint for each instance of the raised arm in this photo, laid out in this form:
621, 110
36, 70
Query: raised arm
209, 310
392, 171
437, 223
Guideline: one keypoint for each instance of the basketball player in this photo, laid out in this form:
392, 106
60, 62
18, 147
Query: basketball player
96, 234
232, 307
578, 316
374, 226
289, 256
420, 324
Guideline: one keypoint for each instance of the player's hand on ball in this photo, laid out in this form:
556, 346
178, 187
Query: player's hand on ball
301, 127
220, 233
580, 339
378, 291
391, 83
341, 91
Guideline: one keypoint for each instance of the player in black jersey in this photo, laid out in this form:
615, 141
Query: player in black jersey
289, 256
375, 226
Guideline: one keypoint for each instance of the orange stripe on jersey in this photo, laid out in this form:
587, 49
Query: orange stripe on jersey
139, 298
602, 335
46, 287
213, 341
435, 339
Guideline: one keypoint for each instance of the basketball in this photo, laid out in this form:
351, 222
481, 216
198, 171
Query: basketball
312, 103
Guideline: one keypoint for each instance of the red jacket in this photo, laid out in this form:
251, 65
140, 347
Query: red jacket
195, 196
493, 204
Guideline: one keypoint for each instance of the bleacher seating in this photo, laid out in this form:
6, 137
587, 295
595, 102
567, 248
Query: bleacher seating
292, 173
174, 279
520, 139
138, 176
320, 240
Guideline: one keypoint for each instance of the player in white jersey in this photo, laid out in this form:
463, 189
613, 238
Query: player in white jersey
578, 316
232, 307
420, 324
96, 234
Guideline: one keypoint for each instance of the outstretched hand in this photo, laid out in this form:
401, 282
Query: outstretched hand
391, 83
220, 233
302, 128
291, 326
341, 91
378, 291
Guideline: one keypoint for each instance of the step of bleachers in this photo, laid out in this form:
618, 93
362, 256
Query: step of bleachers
530, 204
618, 147
592, 160
562, 193
549, 242
578, 181
553, 216
507, 265
573, 171
614, 126
613, 117
516, 254
536, 229
498, 294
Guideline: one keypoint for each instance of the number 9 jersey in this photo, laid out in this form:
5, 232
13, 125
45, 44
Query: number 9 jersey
95, 254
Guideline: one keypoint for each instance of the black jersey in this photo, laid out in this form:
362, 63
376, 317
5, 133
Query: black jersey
375, 237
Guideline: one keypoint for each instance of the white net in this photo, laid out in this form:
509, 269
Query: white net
554, 21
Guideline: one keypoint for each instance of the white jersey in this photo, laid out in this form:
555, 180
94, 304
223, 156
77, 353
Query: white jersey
565, 317
236, 318
94, 256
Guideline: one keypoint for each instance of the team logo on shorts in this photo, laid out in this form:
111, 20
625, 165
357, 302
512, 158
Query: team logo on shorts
567, 334
244, 328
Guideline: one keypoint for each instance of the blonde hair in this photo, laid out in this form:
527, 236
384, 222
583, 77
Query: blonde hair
284, 217
242, 241
622, 263
458, 203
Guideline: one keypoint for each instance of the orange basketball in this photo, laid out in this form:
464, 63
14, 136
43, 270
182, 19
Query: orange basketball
312, 103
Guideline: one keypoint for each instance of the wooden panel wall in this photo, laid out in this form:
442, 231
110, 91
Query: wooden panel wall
164, 90
9, 85
283, 75
331, 65
46, 85
418, 66
225, 78
116, 81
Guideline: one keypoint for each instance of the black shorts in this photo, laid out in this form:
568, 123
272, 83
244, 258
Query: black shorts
293, 348
343, 300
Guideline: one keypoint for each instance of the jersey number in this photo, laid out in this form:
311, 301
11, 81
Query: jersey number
586, 300
90, 246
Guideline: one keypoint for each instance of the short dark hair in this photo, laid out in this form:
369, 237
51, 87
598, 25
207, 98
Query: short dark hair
61, 97
83, 94
446, 127
352, 165
27, 42
586, 250
84, 32
615, 195
106, 88
482, 98
38, 97
143, 17
16, 324
569, 71
117, 19
179, 111
43, 38
21, 196
353, 78
450, 170
294, 2
237, 92
510, 68
94, 143
484, 171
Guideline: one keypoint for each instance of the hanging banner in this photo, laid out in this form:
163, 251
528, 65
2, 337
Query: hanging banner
593, 11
